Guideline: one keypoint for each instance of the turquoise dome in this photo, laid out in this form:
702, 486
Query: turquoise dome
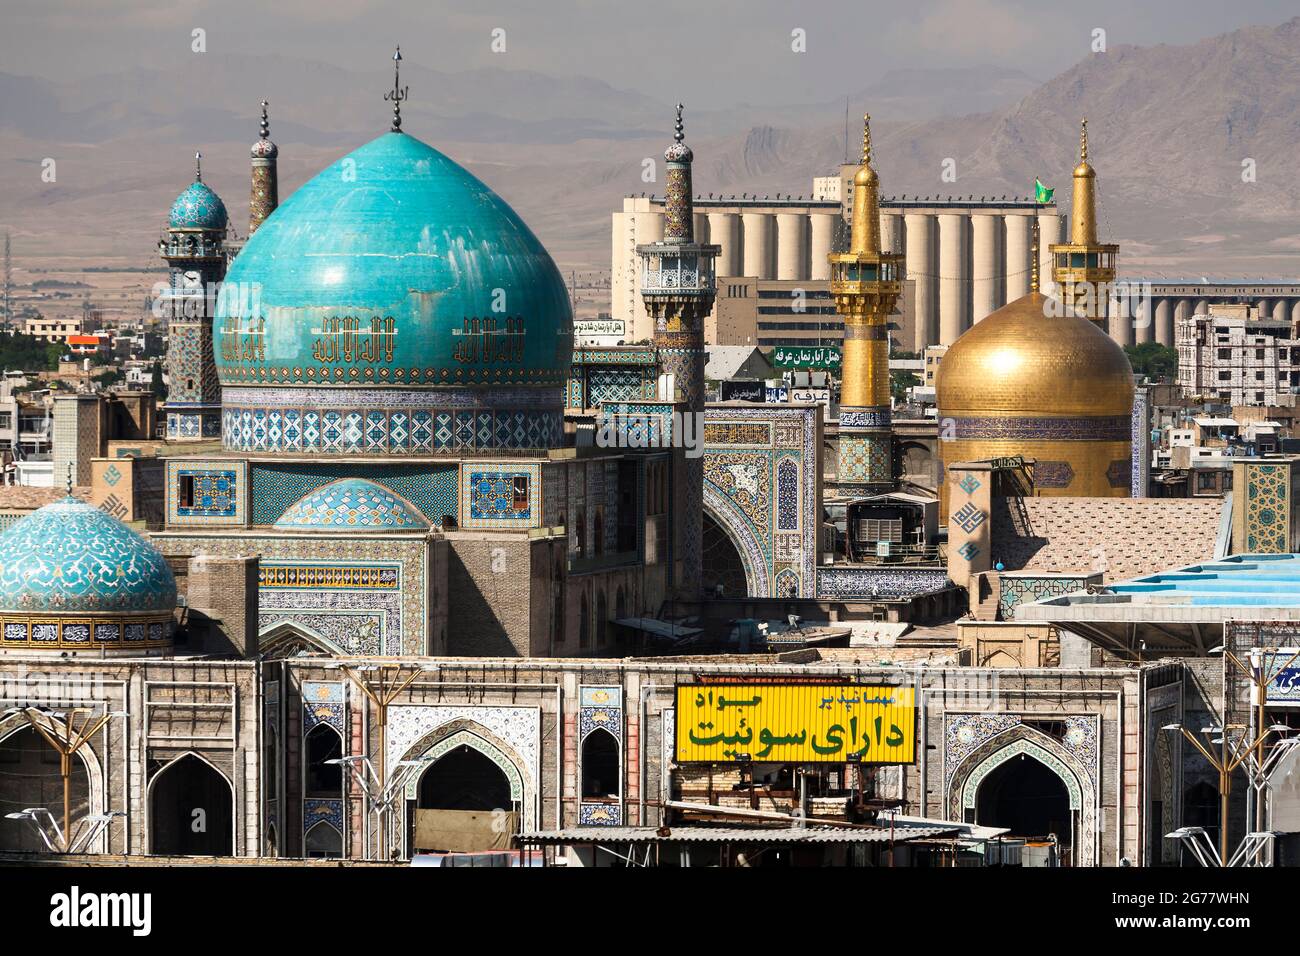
198, 208
394, 267
351, 505
72, 557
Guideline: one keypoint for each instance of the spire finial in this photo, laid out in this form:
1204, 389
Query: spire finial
680, 129
67, 485
1083, 141
266, 121
198, 167
398, 93
1033, 268
866, 139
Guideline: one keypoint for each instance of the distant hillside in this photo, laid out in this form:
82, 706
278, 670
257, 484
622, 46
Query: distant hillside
1169, 129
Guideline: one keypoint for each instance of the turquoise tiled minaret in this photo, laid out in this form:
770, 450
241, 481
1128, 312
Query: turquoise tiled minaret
193, 248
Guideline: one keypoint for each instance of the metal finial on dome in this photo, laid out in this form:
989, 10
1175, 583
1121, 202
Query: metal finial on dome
680, 134
198, 167
866, 139
67, 485
1083, 141
399, 92
1033, 253
266, 121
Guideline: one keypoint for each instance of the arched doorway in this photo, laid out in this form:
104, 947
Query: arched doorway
29, 777
464, 779
600, 766
999, 760
1029, 799
190, 810
460, 800
722, 564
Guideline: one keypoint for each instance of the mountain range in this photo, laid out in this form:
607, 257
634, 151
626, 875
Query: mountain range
1194, 145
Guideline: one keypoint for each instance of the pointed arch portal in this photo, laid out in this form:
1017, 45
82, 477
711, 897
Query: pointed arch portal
191, 810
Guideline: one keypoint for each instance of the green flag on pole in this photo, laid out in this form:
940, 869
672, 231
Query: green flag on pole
1041, 192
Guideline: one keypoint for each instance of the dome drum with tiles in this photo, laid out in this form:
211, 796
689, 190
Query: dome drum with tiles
75, 578
401, 308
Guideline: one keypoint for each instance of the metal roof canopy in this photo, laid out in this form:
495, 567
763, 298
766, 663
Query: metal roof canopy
659, 628
1181, 611
772, 835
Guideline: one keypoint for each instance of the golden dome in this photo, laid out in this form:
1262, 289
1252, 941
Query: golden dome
1020, 362
865, 177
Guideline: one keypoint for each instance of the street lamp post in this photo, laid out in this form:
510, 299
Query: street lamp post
379, 795
1232, 754
381, 684
66, 739
1259, 681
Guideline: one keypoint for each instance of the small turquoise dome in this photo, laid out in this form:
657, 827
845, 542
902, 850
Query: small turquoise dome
394, 267
69, 556
198, 208
352, 504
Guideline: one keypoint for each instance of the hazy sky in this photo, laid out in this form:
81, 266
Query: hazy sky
725, 51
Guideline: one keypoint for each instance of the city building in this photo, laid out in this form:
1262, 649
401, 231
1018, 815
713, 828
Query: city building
968, 256
1232, 355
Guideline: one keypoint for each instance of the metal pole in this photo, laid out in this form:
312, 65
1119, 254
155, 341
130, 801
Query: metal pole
1225, 784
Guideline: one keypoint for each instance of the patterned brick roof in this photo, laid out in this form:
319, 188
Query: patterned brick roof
1121, 537
28, 498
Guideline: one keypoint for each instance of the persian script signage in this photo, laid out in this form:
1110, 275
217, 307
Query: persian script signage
806, 356
740, 390
795, 723
586, 327
1282, 668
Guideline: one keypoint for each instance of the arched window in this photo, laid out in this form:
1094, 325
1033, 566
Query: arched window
600, 773
322, 840
323, 779
582, 534
620, 604
270, 761
600, 531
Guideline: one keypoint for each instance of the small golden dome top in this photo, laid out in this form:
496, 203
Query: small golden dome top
865, 177
1019, 362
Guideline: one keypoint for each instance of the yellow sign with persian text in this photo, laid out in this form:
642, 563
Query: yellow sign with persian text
795, 723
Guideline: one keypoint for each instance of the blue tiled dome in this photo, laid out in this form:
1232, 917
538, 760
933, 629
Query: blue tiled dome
395, 266
198, 207
351, 505
70, 556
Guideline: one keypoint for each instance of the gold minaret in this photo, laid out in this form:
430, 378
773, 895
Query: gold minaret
866, 284
1083, 268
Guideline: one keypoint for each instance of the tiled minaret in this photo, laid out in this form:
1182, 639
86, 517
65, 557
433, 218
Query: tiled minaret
866, 284
194, 250
265, 185
677, 286
1084, 268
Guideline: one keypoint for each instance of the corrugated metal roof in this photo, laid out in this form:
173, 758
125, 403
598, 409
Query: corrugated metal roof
736, 835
